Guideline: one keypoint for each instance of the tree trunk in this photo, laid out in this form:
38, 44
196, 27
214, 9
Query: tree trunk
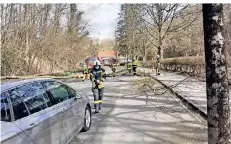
73, 9
216, 75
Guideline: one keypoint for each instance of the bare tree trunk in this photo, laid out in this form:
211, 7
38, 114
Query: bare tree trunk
57, 15
216, 75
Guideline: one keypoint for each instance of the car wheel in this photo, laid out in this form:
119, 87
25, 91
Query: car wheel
87, 119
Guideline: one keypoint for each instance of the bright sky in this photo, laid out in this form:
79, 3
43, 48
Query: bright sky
102, 19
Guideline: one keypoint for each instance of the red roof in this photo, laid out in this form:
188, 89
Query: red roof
108, 53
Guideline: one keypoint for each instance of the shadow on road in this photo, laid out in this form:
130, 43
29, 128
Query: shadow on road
130, 118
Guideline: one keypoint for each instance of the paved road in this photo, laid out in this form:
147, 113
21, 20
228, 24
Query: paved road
109, 70
130, 117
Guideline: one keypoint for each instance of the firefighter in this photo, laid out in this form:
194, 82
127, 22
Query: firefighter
129, 67
85, 71
113, 69
134, 65
158, 65
97, 76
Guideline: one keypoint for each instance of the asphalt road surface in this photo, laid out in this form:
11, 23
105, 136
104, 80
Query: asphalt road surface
129, 117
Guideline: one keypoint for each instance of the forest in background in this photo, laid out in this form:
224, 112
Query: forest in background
170, 30
39, 38
46, 38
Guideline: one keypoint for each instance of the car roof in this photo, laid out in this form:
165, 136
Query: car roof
9, 85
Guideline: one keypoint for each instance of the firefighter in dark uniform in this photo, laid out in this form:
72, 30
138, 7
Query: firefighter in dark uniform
97, 76
158, 65
134, 65
113, 69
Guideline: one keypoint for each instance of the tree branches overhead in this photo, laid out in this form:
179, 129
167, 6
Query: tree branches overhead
42, 38
153, 23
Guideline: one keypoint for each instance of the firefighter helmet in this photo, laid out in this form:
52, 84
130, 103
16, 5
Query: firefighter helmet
97, 62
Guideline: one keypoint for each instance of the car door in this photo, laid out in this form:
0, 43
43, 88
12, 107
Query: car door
76, 111
24, 118
60, 98
72, 115
9, 132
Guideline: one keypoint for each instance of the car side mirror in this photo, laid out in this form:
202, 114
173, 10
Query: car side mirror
77, 96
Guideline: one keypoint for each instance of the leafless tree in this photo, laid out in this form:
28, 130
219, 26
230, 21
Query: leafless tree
154, 25
39, 38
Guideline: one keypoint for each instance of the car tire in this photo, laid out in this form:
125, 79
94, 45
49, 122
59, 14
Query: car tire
87, 119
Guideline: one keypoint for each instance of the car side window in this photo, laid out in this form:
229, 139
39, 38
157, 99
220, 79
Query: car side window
58, 91
36, 98
5, 108
18, 104
28, 99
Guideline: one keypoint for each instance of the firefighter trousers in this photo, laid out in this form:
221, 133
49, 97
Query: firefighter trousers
134, 69
98, 98
85, 77
129, 71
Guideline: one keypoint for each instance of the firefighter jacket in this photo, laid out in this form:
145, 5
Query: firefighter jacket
97, 74
129, 66
135, 63
84, 68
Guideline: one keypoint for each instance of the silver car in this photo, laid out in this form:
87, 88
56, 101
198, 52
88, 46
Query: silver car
42, 111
